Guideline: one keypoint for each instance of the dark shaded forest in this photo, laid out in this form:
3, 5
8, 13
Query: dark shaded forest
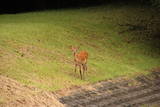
15, 6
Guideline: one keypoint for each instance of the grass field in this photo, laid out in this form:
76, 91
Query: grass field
35, 46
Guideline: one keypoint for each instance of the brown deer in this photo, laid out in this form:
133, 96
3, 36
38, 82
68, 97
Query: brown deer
80, 60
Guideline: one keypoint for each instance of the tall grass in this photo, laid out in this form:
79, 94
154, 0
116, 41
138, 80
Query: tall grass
34, 46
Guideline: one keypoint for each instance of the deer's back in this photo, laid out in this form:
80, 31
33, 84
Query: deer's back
82, 56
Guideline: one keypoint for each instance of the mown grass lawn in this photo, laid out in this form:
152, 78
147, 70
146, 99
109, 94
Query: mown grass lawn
35, 46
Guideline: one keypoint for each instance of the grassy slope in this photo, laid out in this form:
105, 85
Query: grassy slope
34, 47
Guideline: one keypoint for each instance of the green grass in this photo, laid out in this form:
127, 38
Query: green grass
34, 46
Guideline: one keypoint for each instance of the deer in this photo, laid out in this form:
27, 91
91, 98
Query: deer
80, 60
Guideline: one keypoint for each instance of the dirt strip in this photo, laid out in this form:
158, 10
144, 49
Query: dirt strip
143, 91
14, 94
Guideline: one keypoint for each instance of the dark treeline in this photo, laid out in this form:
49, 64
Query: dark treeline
15, 6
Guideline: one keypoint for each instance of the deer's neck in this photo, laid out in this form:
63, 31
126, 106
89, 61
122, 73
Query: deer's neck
74, 54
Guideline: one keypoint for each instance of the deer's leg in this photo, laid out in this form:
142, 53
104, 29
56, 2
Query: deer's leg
80, 71
83, 65
86, 67
75, 68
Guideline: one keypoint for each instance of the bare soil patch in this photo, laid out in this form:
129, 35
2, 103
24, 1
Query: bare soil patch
14, 94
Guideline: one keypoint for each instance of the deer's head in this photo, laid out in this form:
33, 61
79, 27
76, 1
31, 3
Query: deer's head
74, 49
